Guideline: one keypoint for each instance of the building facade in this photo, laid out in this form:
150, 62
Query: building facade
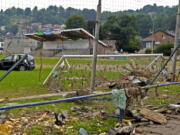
157, 38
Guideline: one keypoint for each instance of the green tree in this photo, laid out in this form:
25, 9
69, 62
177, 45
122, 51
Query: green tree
76, 21
144, 23
4, 20
27, 12
124, 30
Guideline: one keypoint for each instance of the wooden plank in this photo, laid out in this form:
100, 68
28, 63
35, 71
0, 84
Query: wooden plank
153, 116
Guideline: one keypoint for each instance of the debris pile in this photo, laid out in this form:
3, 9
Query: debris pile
139, 119
134, 122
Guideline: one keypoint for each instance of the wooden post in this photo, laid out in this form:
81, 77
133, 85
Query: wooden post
176, 42
93, 73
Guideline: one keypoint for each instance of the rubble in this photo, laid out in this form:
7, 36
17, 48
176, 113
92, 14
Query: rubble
70, 94
82, 92
153, 116
3, 116
82, 131
174, 106
60, 118
122, 129
76, 93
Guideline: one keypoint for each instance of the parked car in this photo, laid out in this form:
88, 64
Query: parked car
27, 64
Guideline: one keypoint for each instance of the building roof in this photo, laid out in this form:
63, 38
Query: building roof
168, 33
74, 34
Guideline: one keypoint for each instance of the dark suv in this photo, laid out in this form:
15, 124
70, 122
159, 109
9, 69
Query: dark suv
27, 64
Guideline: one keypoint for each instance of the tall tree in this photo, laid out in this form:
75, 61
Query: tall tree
27, 12
76, 21
4, 20
124, 30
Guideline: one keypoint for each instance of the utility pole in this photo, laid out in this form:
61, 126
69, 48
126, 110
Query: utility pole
95, 44
176, 42
153, 30
153, 40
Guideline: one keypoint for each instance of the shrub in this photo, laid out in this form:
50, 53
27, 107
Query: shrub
165, 49
148, 51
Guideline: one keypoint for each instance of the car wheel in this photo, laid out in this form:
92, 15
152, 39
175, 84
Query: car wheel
22, 68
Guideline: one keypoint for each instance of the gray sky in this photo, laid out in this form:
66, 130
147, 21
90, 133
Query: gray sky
110, 5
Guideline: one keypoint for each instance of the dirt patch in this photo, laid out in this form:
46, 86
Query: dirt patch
171, 128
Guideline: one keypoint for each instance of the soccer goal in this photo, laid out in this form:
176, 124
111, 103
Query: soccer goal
72, 72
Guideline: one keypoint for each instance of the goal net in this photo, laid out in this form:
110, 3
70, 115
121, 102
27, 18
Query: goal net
72, 72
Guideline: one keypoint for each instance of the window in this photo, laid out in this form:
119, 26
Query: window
149, 45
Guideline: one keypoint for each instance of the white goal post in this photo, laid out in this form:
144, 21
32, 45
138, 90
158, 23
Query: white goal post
99, 56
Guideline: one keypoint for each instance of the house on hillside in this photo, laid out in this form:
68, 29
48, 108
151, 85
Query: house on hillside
157, 38
68, 42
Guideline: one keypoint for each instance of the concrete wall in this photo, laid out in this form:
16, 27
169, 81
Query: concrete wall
100, 48
69, 47
20, 45
69, 44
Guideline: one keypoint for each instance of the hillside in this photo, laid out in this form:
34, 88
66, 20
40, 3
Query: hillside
162, 17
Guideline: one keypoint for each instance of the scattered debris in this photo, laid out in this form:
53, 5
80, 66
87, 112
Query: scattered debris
60, 118
139, 130
70, 94
76, 108
82, 131
122, 129
153, 116
3, 116
174, 106
82, 92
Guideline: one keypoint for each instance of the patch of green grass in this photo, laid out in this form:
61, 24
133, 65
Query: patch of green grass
93, 126
138, 60
46, 61
36, 130
81, 61
99, 61
27, 83
167, 95
42, 130
2, 56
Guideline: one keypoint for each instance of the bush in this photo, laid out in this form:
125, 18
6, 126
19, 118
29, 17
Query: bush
165, 49
148, 51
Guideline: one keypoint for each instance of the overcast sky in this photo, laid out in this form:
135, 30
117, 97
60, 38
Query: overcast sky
110, 5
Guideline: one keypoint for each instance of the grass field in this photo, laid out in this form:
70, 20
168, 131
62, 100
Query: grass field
19, 84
